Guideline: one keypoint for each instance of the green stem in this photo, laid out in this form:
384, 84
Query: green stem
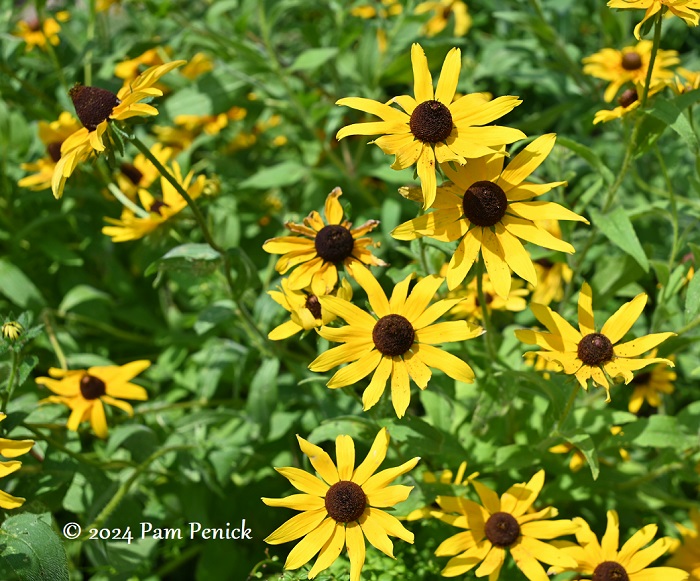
567, 409
652, 58
58, 446
117, 193
9, 388
485, 314
89, 38
674, 206
54, 341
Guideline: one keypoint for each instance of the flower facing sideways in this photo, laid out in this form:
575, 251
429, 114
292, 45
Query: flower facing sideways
86, 391
342, 507
651, 384
587, 353
684, 9
397, 342
11, 449
434, 129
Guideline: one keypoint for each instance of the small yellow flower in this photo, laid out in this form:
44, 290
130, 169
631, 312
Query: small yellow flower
442, 10
11, 449
129, 69
686, 80
628, 101
444, 477
38, 33
552, 277
578, 460
687, 555
199, 64
11, 330
650, 385
142, 173
684, 9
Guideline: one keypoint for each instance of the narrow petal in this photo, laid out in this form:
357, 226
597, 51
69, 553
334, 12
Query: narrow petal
297, 502
445, 362
376, 535
556, 324
528, 564
374, 458
527, 161
488, 497
391, 525
619, 323
586, 322
339, 355
348, 312
385, 112
422, 80
464, 257
547, 553
540, 210
495, 261
376, 386
516, 256
306, 549
528, 231
355, 542
98, 419
351, 374
638, 346
389, 496
420, 373
330, 551
647, 556
472, 109
372, 128
548, 529
426, 173
635, 543
382, 479
449, 76
302, 480
611, 539
332, 209
297, 526
400, 386
320, 460
435, 311
445, 332
421, 295
398, 296
345, 456
375, 294
519, 497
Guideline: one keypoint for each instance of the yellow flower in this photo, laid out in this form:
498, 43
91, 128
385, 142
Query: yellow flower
305, 308
628, 102
95, 107
142, 173
686, 80
11, 330
551, 276
86, 391
38, 33
11, 449
434, 129
442, 10
382, 9
578, 460
650, 385
687, 555
502, 524
629, 65
129, 69
322, 248
684, 9
444, 477
489, 208
541, 364
590, 354
605, 562
342, 507
132, 227
199, 64
210, 124
397, 342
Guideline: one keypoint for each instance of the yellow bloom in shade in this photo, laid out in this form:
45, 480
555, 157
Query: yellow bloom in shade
129, 69
500, 525
442, 10
397, 342
210, 124
142, 173
684, 9
40, 33
628, 101
322, 247
687, 555
95, 107
434, 129
305, 308
686, 81
342, 507
86, 391
444, 477
629, 65
11, 449
650, 385
382, 9
132, 227
605, 562
578, 460
552, 277
489, 208
199, 64
589, 354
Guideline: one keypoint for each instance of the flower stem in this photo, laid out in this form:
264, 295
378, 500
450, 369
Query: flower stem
89, 37
485, 315
9, 388
54, 342
568, 408
652, 57
126, 202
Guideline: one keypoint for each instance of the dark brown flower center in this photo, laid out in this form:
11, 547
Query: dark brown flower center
502, 529
93, 105
484, 203
545, 262
156, 207
642, 378
393, 335
132, 172
345, 501
628, 97
314, 305
92, 387
610, 571
594, 349
431, 122
54, 149
334, 243
631, 61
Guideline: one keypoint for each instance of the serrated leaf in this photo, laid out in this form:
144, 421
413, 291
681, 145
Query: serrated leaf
617, 227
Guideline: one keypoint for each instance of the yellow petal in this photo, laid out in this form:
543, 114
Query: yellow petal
320, 460
351, 374
385, 112
539, 210
376, 535
530, 232
586, 322
311, 544
426, 173
375, 294
345, 456
376, 386
349, 312
419, 372
421, 295
464, 257
98, 419
527, 161
516, 256
302, 480
449, 77
641, 345
374, 458
400, 387
333, 210
355, 542
495, 261
422, 81
297, 526
619, 323
445, 362
297, 502
338, 355
330, 550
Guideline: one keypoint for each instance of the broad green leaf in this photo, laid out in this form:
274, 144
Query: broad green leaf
515, 456
658, 432
692, 299
262, 396
589, 155
81, 294
17, 287
617, 228
190, 257
277, 176
313, 58
584, 444
670, 114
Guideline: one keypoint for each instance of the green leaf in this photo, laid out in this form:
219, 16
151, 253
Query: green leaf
313, 58
617, 228
671, 115
658, 432
692, 299
15, 285
31, 550
583, 443
589, 155
262, 397
189, 257
515, 456
81, 294
277, 176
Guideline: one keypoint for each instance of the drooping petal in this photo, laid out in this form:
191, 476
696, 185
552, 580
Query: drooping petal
400, 386
376, 386
355, 542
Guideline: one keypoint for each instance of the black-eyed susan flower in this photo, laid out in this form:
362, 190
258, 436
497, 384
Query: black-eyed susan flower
501, 525
587, 353
381, 11
11, 449
687, 555
11, 330
156, 212
552, 276
651, 384
629, 65
442, 10
490, 208
448, 477
320, 248
86, 391
683, 9
95, 107
342, 507
685, 80
605, 562
37, 32
434, 129
142, 173
305, 309
397, 342
628, 101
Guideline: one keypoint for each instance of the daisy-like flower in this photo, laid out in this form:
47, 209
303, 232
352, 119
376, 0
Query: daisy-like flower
132, 227
397, 342
11, 330
86, 391
342, 507
551, 276
628, 101
443, 477
500, 525
210, 124
382, 9
52, 135
686, 81
489, 208
650, 385
11, 449
684, 9
687, 555
36, 32
142, 173
629, 65
305, 309
199, 64
129, 69
95, 107
321, 247
442, 10
590, 354
605, 562
434, 129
